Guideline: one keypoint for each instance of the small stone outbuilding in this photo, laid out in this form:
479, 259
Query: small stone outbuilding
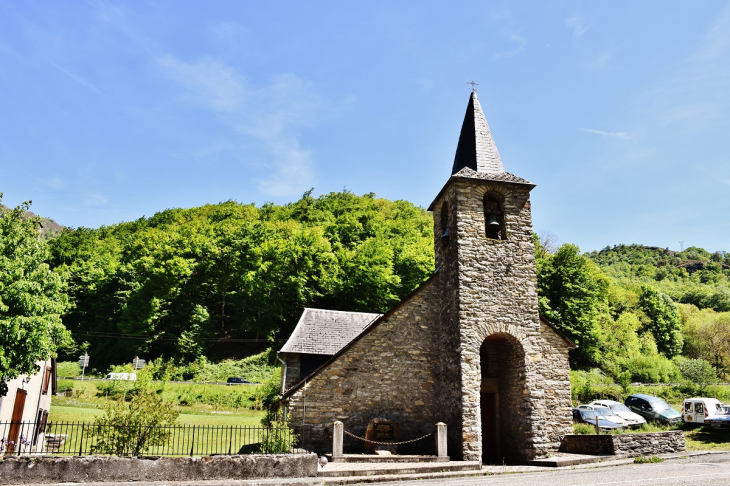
467, 347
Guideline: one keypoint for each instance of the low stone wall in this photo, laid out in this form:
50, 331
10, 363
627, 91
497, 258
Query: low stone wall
587, 444
632, 445
22, 470
649, 444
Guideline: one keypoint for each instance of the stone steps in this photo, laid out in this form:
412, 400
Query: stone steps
366, 470
371, 458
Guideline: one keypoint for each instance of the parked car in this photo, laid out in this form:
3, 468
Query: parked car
589, 417
238, 381
653, 408
634, 420
721, 419
606, 413
697, 410
121, 376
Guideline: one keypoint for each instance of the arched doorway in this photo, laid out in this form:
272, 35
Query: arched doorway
504, 410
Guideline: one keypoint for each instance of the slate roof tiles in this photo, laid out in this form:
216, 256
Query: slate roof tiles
321, 331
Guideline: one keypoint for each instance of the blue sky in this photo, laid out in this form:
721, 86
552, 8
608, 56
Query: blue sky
618, 111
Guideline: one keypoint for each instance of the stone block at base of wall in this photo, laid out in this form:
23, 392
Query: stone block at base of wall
633, 445
45, 469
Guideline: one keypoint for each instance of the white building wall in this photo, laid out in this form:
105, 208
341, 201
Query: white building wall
35, 401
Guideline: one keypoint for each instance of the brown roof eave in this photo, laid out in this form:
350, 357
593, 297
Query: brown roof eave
557, 331
372, 326
454, 178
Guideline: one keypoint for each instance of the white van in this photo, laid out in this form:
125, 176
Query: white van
121, 376
696, 410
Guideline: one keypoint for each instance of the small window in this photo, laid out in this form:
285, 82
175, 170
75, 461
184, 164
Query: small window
445, 221
699, 407
494, 218
687, 407
46, 380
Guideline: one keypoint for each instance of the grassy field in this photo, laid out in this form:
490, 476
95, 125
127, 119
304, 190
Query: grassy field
251, 418
85, 402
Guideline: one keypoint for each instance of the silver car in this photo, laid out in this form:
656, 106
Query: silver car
634, 420
607, 413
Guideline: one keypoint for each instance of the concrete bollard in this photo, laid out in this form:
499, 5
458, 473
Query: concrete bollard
441, 440
337, 438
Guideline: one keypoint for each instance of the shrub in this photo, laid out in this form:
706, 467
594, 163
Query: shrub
278, 438
69, 369
131, 429
583, 429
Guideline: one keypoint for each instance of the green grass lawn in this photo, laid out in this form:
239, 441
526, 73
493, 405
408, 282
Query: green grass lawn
252, 418
84, 402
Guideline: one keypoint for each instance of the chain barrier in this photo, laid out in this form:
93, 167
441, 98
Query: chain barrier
387, 443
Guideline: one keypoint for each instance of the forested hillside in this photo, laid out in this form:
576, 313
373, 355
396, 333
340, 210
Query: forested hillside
640, 313
179, 283
230, 279
693, 276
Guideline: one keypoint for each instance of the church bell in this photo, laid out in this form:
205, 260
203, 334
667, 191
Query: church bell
492, 221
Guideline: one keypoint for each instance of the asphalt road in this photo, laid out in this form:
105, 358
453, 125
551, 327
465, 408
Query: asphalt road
706, 470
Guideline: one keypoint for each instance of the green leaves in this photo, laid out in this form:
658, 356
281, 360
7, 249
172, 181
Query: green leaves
573, 291
665, 323
32, 297
250, 270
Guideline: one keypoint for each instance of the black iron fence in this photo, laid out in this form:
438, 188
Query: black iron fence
81, 439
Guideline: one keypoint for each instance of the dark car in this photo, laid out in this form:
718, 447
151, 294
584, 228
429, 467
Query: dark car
238, 381
721, 419
653, 408
589, 417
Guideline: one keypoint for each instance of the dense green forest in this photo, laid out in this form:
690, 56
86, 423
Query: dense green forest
179, 283
228, 277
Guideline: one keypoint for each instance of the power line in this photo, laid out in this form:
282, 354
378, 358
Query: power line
139, 337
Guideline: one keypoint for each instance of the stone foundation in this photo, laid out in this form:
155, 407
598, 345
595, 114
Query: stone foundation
633, 445
40, 470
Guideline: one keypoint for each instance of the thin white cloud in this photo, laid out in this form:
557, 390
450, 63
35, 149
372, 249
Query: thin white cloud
95, 199
601, 61
76, 78
54, 183
208, 81
517, 39
606, 134
274, 115
578, 25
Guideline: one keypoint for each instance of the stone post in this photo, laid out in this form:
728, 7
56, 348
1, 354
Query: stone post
337, 440
441, 440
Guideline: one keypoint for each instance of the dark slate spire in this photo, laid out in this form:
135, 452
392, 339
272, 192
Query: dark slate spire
476, 149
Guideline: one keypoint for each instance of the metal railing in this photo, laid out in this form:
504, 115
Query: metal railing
84, 438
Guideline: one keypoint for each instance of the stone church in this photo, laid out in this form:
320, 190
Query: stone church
467, 347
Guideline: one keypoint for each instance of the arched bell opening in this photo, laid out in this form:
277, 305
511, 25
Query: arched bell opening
502, 401
494, 216
445, 231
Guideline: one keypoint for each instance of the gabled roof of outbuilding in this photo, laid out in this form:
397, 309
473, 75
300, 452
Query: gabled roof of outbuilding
374, 324
321, 331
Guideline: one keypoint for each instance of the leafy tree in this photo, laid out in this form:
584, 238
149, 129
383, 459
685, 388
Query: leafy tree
130, 429
573, 292
698, 372
31, 298
665, 323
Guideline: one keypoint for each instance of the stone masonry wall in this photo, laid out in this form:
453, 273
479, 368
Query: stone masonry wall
649, 444
293, 363
389, 373
96, 469
633, 445
449, 368
497, 294
553, 413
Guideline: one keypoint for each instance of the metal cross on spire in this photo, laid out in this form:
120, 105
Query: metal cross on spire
472, 85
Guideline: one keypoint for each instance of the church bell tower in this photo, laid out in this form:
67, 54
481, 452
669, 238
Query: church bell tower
497, 352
